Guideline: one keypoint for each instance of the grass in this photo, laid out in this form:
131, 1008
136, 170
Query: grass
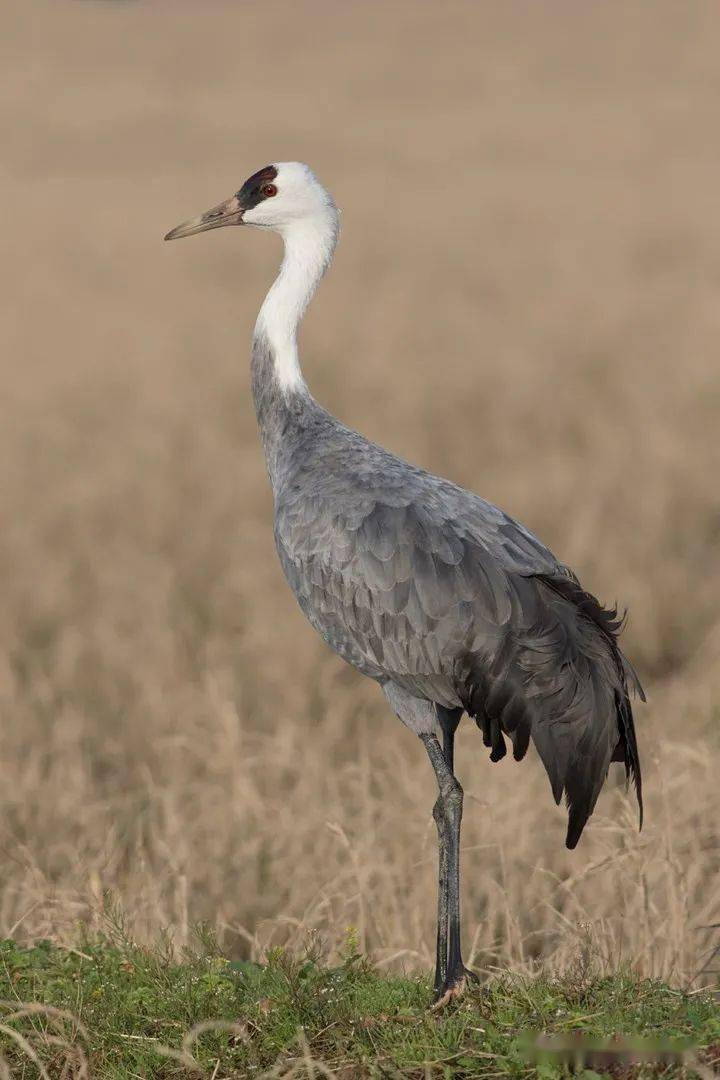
116, 1010
525, 300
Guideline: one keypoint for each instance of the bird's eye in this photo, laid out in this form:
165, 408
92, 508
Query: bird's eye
268, 190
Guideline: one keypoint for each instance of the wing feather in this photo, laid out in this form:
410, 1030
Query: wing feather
418, 582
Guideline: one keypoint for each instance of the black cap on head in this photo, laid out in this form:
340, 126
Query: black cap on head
251, 193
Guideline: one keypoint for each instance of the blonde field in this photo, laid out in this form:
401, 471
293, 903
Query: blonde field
525, 299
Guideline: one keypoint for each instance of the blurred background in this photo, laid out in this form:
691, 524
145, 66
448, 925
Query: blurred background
525, 299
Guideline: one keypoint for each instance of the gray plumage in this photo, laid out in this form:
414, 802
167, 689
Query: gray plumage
435, 592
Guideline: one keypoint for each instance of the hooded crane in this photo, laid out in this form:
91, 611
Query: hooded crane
440, 597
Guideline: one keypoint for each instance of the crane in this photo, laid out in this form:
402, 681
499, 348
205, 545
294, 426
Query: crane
449, 604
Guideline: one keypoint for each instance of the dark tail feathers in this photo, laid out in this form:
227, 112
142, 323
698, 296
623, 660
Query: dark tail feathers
498, 696
610, 625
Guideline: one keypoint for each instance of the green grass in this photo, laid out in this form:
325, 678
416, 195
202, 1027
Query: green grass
121, 1011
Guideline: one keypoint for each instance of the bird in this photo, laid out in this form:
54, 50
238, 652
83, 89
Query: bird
449, 604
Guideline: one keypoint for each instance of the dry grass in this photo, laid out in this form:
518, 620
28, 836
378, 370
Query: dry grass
525, 299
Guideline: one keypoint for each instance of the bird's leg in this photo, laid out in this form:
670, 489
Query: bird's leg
451, 975
441, 952
457, 973
449, 720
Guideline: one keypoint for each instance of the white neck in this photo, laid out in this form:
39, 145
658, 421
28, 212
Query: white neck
309, 247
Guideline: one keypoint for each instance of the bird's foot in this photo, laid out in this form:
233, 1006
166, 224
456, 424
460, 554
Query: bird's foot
454, 987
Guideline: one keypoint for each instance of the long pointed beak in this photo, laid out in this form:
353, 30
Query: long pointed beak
229, 212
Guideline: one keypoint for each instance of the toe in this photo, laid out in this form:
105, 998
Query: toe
450, 992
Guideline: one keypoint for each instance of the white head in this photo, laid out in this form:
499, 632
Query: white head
288, 199
278, 197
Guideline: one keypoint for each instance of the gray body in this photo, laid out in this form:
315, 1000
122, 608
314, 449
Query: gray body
443, 599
